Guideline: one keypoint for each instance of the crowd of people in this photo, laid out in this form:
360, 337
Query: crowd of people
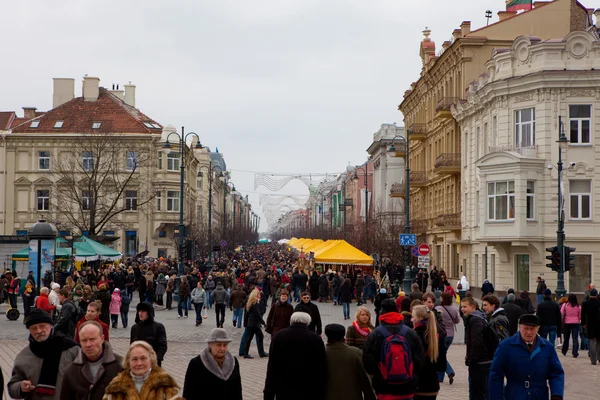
399, 352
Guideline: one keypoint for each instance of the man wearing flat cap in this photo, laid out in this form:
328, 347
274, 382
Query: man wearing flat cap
38, 369
530, 365
215, 373
347, 378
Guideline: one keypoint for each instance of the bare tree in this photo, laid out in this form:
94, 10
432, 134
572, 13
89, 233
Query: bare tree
99, 177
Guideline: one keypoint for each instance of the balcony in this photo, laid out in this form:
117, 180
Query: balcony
417, 132
398, 149
447, 164
449, 221
442, 108
418, 226
525, 151
398, 190
418, 179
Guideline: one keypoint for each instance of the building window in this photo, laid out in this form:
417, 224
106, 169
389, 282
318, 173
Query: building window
172, 200
173, 162
43, 200
581, 275
96, 125
477, 140
158, 200
501, 201
160, 160
21, 232
87, 161
580, 196
58, 124
162, 234
64, 233
131, 244
131, 200
525, 127
131, 160
530, 200
493, 141
34, 124
108, 233
580, 121
43, 160
86, 200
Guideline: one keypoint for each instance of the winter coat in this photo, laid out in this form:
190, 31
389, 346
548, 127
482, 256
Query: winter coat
428, 379
499, 322
159, 386
345, 293
415, 295
360, 285
308, 352
237, 298
43, 303
354, 337
253, 317
67, 319
205, 379
219, 295
525, 303
161, 284
125, 301
315, 316
450, 319
199, 295
571, 315
477, 351
323, 286
336, 283
512, 312
105, 330
590, 317
210, 285
28, 366
549, 313
105, 299
514, 361
152, 332
115, 303
170, 285
314, 284
347, 378
279, 317
487, 288
78, 384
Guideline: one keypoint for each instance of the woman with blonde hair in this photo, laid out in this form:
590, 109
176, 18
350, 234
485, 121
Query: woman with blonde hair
253, 321
141, 378
357, 333
425, 325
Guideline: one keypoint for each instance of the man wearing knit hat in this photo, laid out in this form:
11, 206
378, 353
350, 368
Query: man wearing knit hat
392, 329
346, 376
38, 369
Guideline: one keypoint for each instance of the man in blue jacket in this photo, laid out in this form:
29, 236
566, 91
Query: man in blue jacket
529, 363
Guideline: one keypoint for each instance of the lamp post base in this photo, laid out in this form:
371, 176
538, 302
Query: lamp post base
407, 282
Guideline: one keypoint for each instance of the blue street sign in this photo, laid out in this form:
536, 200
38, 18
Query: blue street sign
408, 239
415, 251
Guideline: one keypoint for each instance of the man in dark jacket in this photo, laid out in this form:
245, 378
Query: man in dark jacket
311, 309
148, 330
540, 289
496, 316
336, 283
590, 320
307, 351
220, 298
550, 317
479, 356
93, 369
237, 302
67, 319
300, 280
391, 321
513, 312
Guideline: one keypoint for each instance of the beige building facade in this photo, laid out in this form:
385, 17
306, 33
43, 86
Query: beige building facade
438, 169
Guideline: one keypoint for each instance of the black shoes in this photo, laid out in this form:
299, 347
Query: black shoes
451, 378
248, 356
263, 355
234, 323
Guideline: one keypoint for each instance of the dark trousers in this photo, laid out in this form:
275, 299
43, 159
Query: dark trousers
571, 330
169, 300
419, 397
259, 340
182, 304
220, 309
12, 300
198, 308
124, 318
114, 319
479, 376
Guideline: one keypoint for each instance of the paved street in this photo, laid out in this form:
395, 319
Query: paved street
186, 341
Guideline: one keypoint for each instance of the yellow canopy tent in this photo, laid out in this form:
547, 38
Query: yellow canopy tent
343, 253
300, 243
309, 246
324, 246
292, 241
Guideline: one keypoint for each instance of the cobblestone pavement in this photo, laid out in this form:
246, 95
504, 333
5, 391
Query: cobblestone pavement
186, 341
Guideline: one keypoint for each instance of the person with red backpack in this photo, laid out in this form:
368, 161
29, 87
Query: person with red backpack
392, 354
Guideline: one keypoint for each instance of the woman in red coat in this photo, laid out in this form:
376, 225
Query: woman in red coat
42, 301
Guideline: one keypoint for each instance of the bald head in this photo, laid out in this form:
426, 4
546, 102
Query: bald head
91, 338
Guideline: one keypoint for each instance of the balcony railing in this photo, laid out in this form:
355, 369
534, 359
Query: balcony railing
417, 129
445, 103
447, 160
448, 221
398, 190
418, 177
525, 151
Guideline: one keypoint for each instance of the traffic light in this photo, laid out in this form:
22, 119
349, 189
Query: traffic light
569, 258
554, 257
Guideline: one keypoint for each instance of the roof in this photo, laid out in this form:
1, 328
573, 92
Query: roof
343, 253
114, 115
217, 159
6, 119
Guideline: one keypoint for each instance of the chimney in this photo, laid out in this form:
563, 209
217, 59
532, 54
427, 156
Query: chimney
502, 15
456, 34
117, 91
29, 112
130, 94
465, 28
64, 91
91, 88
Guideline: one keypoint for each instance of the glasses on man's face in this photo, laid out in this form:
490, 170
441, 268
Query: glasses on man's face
143, 359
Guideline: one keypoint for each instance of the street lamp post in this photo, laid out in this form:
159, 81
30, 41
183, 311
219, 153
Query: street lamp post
407, 273
366, 202
563, 143
182, 147
211, 168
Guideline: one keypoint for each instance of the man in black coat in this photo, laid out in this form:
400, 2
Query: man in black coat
311, 309
67, 319
590, 320
513, 312
306, 351
550, 317
150, 331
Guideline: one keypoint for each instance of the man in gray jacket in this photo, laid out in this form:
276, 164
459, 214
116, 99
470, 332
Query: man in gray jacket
38, 369
220, 298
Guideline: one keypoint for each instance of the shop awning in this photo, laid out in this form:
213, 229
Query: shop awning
85, 250
343, 253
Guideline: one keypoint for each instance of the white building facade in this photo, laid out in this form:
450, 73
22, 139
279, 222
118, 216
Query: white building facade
510, 125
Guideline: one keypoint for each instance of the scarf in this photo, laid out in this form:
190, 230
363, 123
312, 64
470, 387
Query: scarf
363, 332
211, 365
50, 352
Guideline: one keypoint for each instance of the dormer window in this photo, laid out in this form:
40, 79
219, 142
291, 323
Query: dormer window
58, 124
96, 125
34, 124
148, 124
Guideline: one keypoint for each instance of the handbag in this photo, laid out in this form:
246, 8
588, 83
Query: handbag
204, 313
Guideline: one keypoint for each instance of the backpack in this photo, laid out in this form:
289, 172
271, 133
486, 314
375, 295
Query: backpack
490, 337
395, 363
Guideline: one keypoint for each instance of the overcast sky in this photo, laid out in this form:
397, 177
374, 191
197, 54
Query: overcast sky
276, 85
